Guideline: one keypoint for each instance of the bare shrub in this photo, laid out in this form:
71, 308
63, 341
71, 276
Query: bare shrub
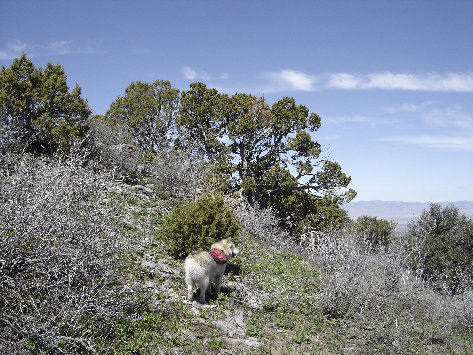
183, 174
180, 172
59, 253
261, 224
354, 278
9, 141
115, 148
379, 290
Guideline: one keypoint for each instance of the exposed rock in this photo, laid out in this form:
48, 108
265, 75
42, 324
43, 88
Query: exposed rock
249, 342
142, 189
233, 324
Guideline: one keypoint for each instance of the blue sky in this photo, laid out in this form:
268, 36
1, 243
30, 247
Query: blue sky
392, 80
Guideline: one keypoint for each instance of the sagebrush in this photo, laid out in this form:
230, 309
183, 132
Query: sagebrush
379, 290
59, 256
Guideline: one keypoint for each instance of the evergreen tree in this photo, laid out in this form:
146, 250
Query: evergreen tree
37, 108
149, 110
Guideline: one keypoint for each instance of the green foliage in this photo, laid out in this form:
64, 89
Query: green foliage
198, 225
323, 214
267, 142
203, 118
262, 139
242, 135
249, 134
299, 209
373, 231
267, 152
149, 110
443, 247
249, 186
37, 108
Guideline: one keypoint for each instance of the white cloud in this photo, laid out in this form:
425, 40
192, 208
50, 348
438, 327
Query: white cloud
343, 81
456, 82
291, 80
59, 47
430, 141
449, 117
348, 121
13, 50
62, 47
390, 81
224, 76
189, 73
342, 120
406, 107
17, 46
192, 74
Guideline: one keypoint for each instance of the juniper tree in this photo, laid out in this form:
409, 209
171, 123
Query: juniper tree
37, 109
149, 110
271, 153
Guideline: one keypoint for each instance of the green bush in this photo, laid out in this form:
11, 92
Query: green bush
37, 108
198, 225
374, 232
442, 243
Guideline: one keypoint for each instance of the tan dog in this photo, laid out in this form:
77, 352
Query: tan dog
204, 267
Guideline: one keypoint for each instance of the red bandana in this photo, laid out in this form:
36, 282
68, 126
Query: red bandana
218, 255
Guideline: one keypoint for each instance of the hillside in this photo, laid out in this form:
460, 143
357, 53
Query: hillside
98, 212
108, 285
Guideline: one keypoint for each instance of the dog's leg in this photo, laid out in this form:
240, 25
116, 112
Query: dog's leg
218, 283
209, 289
190, 289
203, 284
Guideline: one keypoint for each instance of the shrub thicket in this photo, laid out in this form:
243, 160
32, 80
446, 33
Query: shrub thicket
178, 173
59, 251
115, 148
377, 290
198, 225
376, 233
261, 225
442, 244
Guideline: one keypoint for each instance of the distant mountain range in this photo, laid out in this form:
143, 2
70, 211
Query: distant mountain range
400, 212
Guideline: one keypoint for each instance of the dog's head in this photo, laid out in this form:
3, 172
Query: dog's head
227, 246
